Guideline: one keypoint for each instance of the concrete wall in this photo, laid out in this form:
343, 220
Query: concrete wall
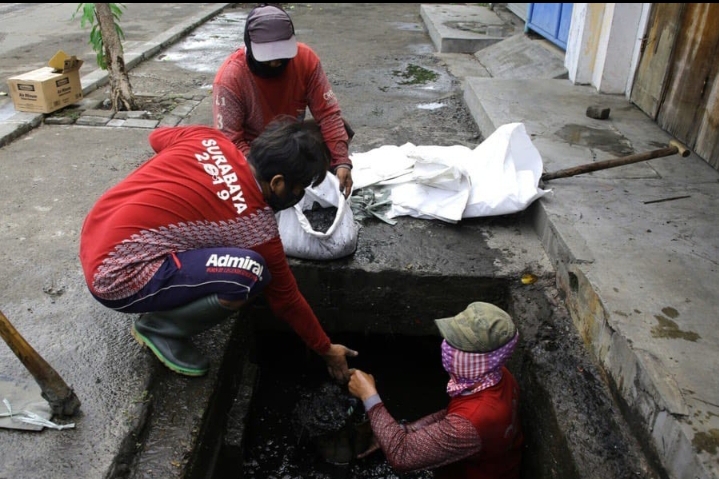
604, 44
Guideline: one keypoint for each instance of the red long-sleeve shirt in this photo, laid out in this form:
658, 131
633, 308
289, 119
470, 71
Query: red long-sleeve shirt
245, 103
478, 436
198, 191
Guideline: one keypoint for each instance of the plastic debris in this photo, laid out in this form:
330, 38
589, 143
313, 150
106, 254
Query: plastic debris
32, 418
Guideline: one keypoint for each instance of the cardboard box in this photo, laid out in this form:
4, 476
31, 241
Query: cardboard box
49, 88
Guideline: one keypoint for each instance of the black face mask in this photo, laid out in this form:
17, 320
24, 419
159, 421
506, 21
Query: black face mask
263, 70
260, 69
290, 200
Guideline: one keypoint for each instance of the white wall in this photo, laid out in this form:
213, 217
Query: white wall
582, 45
519, 9
603, 44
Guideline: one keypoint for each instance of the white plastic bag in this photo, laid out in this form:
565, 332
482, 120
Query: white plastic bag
300, 240
450, 183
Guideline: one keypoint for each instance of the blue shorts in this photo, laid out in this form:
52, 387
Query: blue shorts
231, 273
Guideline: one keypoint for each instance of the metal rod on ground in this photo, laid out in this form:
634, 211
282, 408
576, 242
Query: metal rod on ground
59, 395
674, 148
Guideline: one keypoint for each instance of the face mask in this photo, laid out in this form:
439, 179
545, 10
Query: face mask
264, 70
277, 203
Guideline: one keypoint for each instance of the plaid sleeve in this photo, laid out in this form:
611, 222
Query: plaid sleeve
442, 442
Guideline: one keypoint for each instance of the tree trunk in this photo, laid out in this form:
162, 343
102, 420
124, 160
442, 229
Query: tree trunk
121, 91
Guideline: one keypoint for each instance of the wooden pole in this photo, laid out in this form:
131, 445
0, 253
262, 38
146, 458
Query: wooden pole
673, 148
61, 397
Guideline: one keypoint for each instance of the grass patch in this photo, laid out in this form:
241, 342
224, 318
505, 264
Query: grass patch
415, 75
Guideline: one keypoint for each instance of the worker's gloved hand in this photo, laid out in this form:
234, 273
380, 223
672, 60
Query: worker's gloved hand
336, 359
344, 175
361, 384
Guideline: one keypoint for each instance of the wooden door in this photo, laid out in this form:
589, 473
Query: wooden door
677, 80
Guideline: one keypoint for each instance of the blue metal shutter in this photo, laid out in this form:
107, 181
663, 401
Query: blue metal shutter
550, 20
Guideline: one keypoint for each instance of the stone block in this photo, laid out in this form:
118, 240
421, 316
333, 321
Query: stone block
598, 112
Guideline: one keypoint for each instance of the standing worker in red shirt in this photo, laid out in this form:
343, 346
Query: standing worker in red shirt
190, 237
478, 435
273, 75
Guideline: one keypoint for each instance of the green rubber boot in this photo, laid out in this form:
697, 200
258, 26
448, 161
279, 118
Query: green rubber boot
168, 333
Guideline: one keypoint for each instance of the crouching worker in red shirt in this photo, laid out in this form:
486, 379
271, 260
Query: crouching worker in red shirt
479, 434
274, 74
190, 237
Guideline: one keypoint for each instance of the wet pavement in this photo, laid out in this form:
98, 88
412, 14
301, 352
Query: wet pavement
631, 250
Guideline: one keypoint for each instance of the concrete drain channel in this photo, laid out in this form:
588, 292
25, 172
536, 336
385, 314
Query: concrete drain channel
572, 424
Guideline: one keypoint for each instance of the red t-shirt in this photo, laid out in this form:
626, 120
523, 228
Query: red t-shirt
197, 192
245, 103
478, 436
494, 413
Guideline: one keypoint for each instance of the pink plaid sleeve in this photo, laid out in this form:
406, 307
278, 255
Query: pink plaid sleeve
447, 440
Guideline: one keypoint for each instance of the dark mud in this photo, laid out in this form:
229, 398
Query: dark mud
321, 218
302, 426
573, 425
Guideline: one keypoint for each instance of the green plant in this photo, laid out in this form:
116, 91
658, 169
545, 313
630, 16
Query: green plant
89, 17
415, 75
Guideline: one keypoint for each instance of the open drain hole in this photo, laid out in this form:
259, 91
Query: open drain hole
301, 424
573, 428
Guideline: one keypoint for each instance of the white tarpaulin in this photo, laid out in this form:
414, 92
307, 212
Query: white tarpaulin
500, 176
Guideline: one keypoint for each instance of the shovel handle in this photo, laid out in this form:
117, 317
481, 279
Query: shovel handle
673, 148
61, 397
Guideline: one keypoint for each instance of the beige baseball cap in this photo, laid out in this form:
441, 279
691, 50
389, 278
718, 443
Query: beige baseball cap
272, 34
481, 328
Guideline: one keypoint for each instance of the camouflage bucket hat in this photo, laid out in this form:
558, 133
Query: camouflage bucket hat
481, 328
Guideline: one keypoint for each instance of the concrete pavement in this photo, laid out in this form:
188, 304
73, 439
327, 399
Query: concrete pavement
634, 248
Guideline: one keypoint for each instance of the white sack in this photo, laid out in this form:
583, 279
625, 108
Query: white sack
384, 163
439, 188
499, 176
300, 240
505, 173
